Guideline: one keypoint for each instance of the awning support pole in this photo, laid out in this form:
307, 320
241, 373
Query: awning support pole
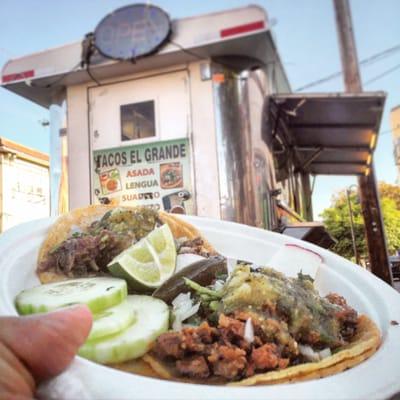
306, 192
353, 236
310, 159
369, 196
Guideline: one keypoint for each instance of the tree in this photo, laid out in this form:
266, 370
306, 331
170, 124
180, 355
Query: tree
389, 191
337, 220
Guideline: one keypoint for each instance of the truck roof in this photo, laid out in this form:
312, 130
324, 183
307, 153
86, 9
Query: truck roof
242, 32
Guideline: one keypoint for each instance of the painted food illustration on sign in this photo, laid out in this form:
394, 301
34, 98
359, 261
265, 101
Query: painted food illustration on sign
110, 181
149, 174
171, 175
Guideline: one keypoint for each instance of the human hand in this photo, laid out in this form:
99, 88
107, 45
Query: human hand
38, 347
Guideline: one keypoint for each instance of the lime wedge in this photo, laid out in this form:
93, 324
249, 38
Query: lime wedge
149, 262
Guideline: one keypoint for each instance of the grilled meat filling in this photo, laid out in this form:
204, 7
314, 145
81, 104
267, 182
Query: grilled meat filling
194, 246
311, 319
284, 313
87, 253
220, 351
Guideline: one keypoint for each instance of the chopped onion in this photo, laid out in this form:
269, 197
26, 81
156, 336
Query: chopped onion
183, 260
218, 284
177, 325
183, 308
309, 353
312, 355
249, 331
181, 298
188, 312
230, 265
325, 353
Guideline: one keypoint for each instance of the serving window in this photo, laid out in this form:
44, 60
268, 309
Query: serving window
138, 120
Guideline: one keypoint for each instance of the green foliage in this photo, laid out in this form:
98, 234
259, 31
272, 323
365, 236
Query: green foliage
337, 220
386, 190
391, 219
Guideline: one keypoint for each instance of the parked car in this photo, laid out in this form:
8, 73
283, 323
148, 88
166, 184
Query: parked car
395, 265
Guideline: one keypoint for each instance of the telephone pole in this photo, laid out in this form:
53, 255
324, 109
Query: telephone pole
369, 196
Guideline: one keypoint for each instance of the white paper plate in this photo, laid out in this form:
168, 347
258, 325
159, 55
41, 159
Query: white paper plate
378, 377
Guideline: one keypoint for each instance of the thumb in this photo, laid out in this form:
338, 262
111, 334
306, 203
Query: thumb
47, 343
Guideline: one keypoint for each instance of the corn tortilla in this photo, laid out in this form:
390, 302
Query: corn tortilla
364, 345
82, 218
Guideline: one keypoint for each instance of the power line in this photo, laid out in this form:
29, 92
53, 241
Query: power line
89, 72
319, 81
389, 131
383, 74
57, 80
366, 61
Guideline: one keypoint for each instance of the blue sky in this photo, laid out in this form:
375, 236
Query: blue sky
303, 29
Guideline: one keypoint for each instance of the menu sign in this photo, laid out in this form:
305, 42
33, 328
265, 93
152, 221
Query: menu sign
154, 174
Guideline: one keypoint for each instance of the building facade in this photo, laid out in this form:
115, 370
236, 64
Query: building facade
24, 184
395, 125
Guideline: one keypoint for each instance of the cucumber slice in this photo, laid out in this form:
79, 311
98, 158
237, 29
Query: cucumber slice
133, 342
112, 320
96, 293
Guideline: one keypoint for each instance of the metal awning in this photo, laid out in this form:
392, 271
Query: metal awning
330, 134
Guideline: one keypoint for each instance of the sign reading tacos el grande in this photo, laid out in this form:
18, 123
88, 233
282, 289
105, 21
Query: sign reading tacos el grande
154, 174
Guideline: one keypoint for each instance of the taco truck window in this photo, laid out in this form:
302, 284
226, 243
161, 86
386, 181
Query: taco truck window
137, 120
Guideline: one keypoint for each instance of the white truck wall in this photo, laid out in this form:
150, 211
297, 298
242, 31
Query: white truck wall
78, 146
258, 87
197, 124
24, 190
204, 143
170, 94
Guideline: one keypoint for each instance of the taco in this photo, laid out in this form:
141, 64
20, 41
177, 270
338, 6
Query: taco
82, 242
261, 327
255, 326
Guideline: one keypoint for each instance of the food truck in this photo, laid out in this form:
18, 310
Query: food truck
193, 115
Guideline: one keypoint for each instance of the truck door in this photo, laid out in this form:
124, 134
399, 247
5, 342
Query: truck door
139, 133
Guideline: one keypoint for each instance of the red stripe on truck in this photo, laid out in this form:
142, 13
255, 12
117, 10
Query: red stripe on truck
18, 76
235, 30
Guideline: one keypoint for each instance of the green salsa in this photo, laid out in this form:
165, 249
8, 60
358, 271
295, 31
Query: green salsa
309, 316
137, 222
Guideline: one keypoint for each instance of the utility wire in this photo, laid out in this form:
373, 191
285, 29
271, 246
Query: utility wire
194, 54
89, 72
59, 79
200, 57
191, 53
389, 131
383, 74
366, 61
319, 81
